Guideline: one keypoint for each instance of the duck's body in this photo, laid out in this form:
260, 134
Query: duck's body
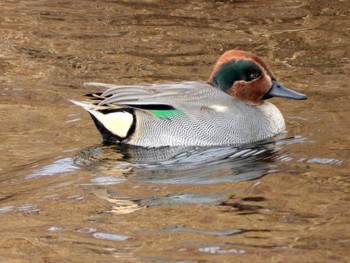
227, 110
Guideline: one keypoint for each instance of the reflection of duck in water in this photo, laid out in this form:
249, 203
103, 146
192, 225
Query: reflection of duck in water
231, 109
163, 167
181, 165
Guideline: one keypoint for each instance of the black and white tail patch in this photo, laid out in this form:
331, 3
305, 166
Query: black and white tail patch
117, 122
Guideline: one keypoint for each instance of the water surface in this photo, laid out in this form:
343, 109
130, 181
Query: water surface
65, 197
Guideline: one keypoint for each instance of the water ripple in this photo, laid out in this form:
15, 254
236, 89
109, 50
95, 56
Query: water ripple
111, 237
60, 166
229, 232
184, 199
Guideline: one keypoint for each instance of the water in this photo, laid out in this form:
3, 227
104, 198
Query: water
67, 198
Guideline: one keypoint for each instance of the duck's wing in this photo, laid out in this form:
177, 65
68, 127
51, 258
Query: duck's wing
161, 96
119, 110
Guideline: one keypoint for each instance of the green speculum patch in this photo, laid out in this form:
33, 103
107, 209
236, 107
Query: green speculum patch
167, 114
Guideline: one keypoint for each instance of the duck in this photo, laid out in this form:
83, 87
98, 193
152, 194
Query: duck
231, 108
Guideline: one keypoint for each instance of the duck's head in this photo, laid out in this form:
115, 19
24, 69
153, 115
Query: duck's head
246, 76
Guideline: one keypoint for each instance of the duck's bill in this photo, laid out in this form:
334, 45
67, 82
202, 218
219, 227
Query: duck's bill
278, 90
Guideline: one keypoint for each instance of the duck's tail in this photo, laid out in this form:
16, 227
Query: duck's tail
113, 123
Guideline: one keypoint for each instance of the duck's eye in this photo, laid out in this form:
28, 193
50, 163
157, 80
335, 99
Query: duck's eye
252, 75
